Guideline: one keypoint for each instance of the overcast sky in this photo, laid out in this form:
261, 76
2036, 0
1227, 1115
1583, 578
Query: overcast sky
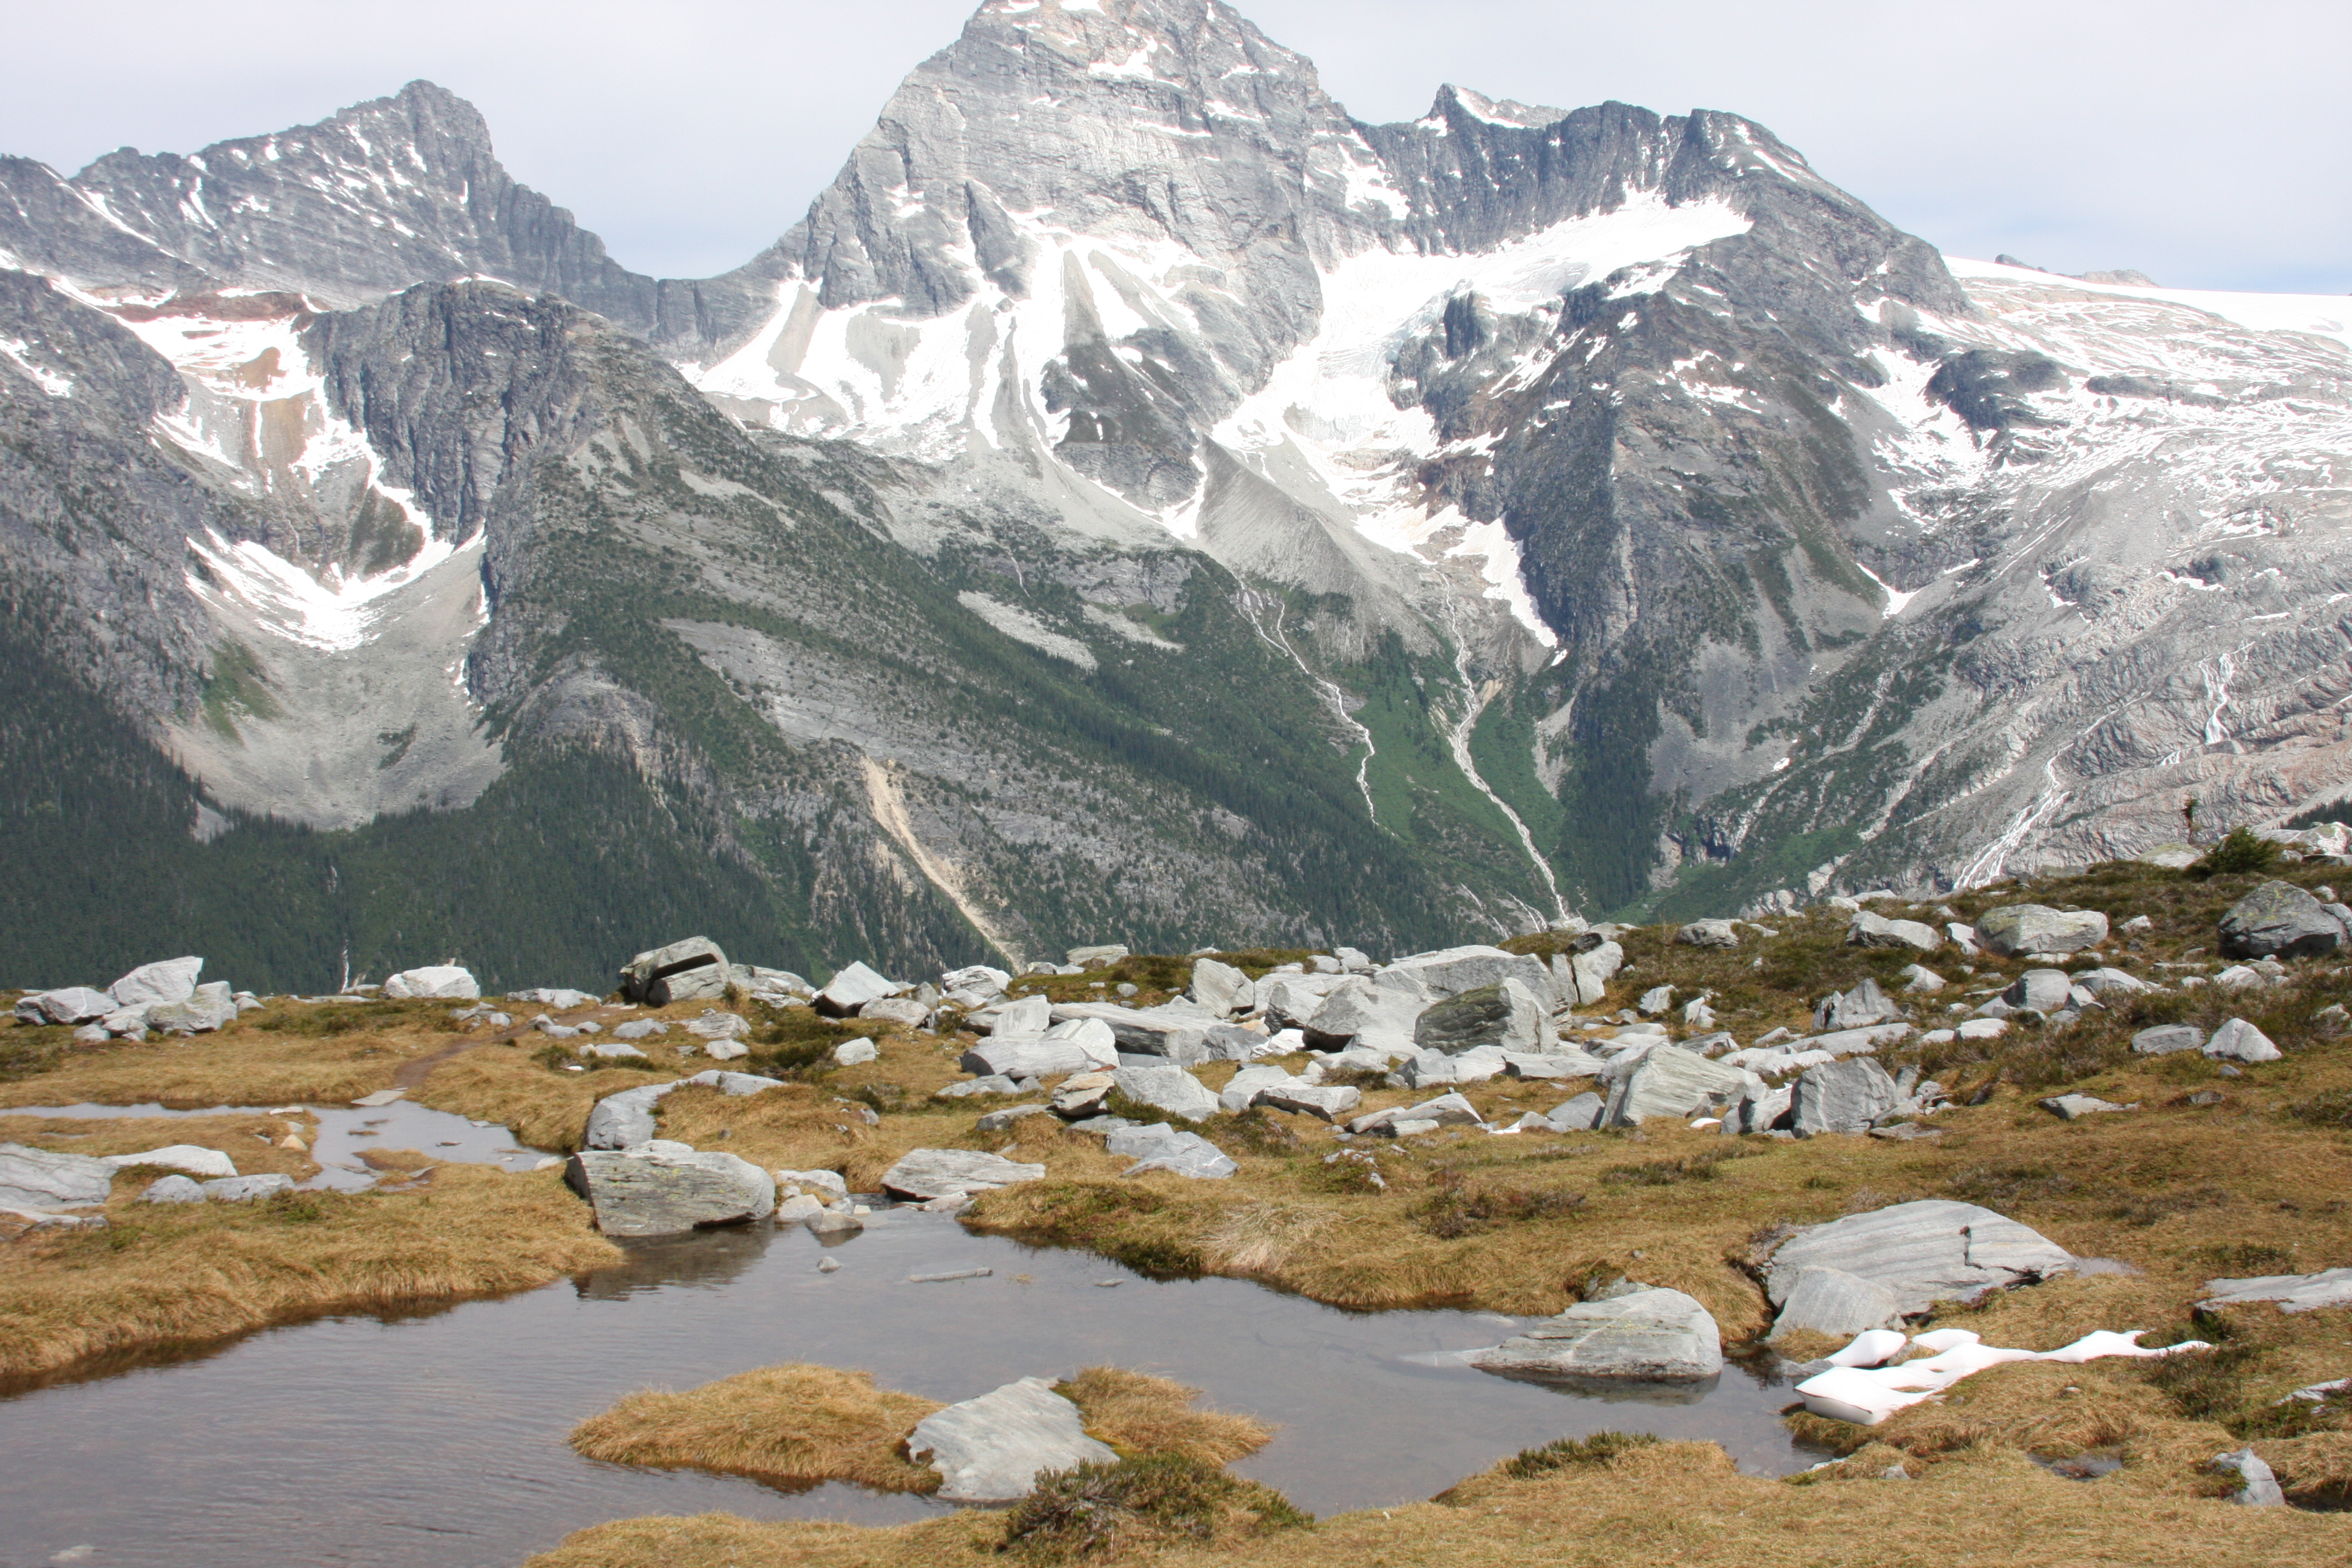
2202, 143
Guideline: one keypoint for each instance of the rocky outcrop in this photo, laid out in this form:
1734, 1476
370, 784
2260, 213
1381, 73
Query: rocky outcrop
1921, 1253
1633, 1333
992, 1448
663, 1193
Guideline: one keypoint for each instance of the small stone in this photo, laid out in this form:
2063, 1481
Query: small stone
998, 1121
855, 1053
828, 1266
2074, 1107
1922, 980
1870, 930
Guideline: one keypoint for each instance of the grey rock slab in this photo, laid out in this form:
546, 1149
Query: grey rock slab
619, 1120
641, 1029
1359, 1011
1159, 1147
695, 970
211, 1006
2261, 1488
2279, 920
1863, 1005
2015, 929
1083, 1094
1671, 1081
2106, 982
2292, 1292
245, 1189
71, 1005
664, 1195
829, 1182
1179, 1034
38, 1179
1029, 1015
1581, 1114
613, 1052
988, 1083
1869, 930
1446, 1111
1921, 981
1709, 933
1924, 1252
2074, 1107
1590, 972
1169, 1089
715, 1025
904, 1010
855, 1053
2167, 1039
2043, 990
1105, 954
1328, 1102
834, 1223
2240, 1041
1036, 1056
173, 1190
1647, 1336
1834, 1302
1507, 1017
1221, 988
170, 980
1553, 1065
1455, 970
1841, 1097
440, 980
993, 1449
998, 1121
925, 1173
1241, 1090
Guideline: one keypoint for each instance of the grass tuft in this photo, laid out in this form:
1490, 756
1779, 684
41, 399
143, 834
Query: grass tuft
1104, 1510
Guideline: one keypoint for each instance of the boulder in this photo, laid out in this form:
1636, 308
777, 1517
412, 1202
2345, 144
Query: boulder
988, 1083
1330, 1102
2238, 1041
1231, 1042
1709, 933
1241, 1090
641, 1029
1554, 1064
2105, 981
975, 977
926, 1173
1081, 1047
1455, 970
695, 970
37, 1179
998, 1121
663, 1195
848, 993
1656, 1000
1180, 1034
1643, 1334
245, 1189
2167, 1039
2261, 1488
1161, 1147
1758, 1109
192, 1158
1590, 969
1671, 1081
624, 1119
1859, 1008
1833, 1302
896, 1010
2043, 990
1877, 931
1088, 957
1029, 1015
714, 1024
1292, 1001
1921, 981
1169, 1089
1581, 1114
831, 1183
2036, 927
173, 1190
72, 1004
556, 996
2292, 1292
855, 1053
993, 1449
2279, 920
2074, 1107
1221, 988
1507, 1017
439, 980
613, 1052
1446, 1111
1360, 1012
1923, 1252
1842, 1097
834, 1223
1352, 960
172, 980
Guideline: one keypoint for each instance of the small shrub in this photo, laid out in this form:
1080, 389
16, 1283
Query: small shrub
2239, 853
1251, 1132
1455, 1207
296, 1208
1349, 1172
1998, 1186
2241, 1259
1104, 1510
1573, 1453
2208, 1385
2332, 1108
1698, 1167
2296, 1417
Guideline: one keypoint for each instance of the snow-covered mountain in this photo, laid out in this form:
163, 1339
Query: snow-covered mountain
1139, 496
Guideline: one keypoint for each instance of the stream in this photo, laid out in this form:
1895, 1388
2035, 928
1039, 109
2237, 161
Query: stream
437, 1438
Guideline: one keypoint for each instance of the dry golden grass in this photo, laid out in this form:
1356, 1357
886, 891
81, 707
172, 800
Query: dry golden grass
1680, 1503
245, 1064
795, 1426
1137, 1414
175, 1274
255, 1141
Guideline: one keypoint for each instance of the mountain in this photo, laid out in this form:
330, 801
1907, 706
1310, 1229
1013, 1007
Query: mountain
1137, 501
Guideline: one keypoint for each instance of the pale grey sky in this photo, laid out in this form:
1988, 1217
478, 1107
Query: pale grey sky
2203, 143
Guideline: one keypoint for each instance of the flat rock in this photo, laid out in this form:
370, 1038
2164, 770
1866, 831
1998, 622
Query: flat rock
2074, 1107
2240, 1041
1241, 1090
245, 1189
998, 1121
2016, 928
1861, 1007
1671, 1081
1180, 1035
2292, 1292
439, 980
988, 1083
1169, 1089
173, 1190
1923, 1252
1360, 1011
194, 1159
695, 970
1159, 1147
1645, 1334
925, 1173
70, 1005
1455, 970
1877, 931
663, 1195
641, 1029
38, 1179
896, 1010
1035, 1055
993, 1449
1842, 1097
1553, 1065
855, 1053
1327, 1101
1833, 1302
2279, 920
1581, 1114
1446, 1111
172, 980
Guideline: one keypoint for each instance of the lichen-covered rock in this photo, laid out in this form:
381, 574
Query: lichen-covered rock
2279, 920
1506, 1016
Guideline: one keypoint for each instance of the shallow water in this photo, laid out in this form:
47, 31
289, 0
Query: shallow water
344, 1130
437, 1439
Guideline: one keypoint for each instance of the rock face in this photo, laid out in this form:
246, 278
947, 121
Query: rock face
37, 1179
927, 1174
2279, 920
2035, 927
1924, 1252
1645, 1334
662, 1195
694, 970
1842, 1097
993, 1449
1506, 1016
1834, 1302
